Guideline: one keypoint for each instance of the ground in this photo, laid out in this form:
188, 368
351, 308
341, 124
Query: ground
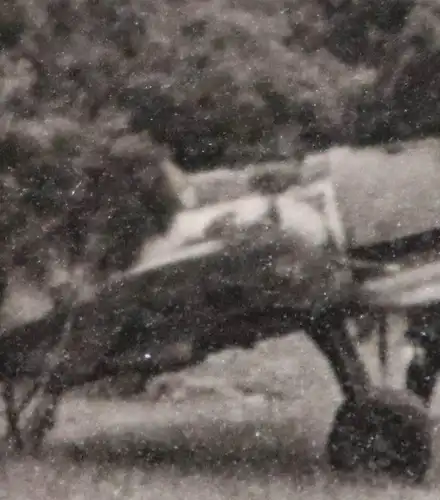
247, 425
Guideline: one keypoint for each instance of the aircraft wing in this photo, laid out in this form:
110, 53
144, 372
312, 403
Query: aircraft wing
415, 287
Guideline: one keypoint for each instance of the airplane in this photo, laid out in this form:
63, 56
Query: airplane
232, 273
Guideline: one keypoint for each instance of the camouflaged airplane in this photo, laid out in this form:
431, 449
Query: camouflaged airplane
265, 252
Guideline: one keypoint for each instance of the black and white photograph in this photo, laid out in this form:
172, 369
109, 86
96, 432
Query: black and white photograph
220, 249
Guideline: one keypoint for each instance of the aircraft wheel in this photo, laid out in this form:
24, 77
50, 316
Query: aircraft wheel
421, 380
388, 431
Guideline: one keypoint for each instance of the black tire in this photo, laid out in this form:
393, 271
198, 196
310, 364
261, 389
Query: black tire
388, 431
420, 380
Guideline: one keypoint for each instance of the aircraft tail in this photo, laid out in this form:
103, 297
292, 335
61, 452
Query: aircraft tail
181, 184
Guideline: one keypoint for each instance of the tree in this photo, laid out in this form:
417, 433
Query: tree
76, 183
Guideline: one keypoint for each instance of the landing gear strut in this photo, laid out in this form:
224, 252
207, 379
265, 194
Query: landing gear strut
379, 429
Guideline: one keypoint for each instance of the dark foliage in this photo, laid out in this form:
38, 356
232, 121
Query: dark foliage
95, 93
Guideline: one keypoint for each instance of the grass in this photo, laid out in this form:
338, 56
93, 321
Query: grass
242, 425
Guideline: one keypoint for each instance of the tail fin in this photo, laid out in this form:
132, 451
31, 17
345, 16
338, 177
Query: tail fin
181, 184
